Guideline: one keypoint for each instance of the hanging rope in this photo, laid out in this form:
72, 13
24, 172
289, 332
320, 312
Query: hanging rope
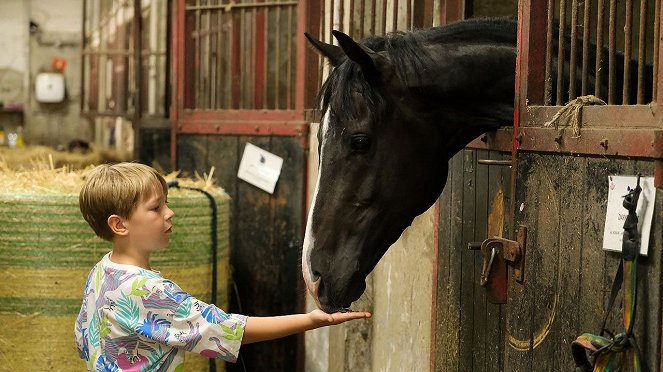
571, 113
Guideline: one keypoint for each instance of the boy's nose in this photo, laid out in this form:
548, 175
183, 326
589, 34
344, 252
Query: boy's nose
169, 213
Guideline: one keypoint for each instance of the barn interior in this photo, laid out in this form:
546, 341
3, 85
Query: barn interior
187, 86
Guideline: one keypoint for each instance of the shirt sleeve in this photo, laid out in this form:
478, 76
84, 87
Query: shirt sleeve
172, 317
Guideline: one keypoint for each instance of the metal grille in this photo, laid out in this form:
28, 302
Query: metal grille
240, 54
111, 78
610, 48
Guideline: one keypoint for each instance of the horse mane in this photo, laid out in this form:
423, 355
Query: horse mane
407, 52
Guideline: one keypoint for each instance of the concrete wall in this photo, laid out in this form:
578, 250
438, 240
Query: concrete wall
25, 55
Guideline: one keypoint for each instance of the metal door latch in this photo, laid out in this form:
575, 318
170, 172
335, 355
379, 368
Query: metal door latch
497, 254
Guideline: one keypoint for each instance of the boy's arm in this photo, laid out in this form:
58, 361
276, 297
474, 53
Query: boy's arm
269, 328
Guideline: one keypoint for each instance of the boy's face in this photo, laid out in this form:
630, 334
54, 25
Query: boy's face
150, 224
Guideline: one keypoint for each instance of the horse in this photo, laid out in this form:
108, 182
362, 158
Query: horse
395, 109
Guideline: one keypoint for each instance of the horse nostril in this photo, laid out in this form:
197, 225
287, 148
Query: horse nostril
315, 275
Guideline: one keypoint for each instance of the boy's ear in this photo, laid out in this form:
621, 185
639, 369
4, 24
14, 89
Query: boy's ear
116, 224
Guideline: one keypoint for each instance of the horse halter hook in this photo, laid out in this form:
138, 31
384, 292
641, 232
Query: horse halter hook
497, 254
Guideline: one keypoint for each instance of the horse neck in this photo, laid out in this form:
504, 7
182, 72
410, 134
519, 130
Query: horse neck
466, 91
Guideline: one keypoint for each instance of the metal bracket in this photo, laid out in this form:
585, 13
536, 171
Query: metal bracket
497, 253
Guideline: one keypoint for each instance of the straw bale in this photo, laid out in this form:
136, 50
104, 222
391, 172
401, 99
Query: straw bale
47, 249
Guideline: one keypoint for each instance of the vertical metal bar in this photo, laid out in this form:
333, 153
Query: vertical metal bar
598, 80
138, 76
208, 60
138, 68
657, 44
586, 25
362, 15
574, 41
374, 16
408, 14
627, 52
383, 27
289, 84
560, 52
220, 48
422, 13
86, 57
277, 59
642, 52
260, 57
394, 15
612, 75
351, 19
547, 97
234, 34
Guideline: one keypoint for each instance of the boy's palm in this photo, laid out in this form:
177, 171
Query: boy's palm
320, 317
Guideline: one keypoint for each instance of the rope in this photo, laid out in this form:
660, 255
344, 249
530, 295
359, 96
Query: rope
572, 112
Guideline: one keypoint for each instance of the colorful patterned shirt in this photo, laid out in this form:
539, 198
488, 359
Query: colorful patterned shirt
133, 319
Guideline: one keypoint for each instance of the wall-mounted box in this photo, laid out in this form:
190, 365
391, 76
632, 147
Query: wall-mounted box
49, 87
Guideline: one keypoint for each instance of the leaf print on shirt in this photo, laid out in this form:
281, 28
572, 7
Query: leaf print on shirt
184, 309
99, 274
232, 334
103, 327
105, 365
127, 313
137, 285
214, 315
93, 331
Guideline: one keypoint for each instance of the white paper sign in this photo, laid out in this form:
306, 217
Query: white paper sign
618, 186
260, 168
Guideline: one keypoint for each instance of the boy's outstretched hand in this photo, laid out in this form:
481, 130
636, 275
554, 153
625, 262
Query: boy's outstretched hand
321, 318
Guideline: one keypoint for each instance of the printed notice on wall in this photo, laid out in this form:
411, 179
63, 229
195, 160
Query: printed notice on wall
260, 168
618, 187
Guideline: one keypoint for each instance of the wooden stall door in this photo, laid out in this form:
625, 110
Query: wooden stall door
561, 199
560, 196
469, 331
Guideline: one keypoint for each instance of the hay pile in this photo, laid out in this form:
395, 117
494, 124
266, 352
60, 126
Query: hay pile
47, 249
38, 157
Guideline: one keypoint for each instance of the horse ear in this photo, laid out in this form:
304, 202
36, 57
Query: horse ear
332, 52
361, 55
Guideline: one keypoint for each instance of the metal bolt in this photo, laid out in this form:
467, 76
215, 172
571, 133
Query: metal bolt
558, 139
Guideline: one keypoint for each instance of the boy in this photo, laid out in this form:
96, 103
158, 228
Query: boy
132, 318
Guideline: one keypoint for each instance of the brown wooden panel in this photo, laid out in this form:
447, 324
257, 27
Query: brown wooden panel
469, 330
562, 201
498, 178
469, 261
449, 269
480, 227
266, 232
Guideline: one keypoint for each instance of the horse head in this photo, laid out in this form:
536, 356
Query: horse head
394, 110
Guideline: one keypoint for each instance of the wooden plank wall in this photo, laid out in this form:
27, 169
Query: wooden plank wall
245, 54
568, 276
266, 232
469, 331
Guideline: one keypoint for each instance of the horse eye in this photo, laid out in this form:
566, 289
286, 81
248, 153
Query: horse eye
360, 143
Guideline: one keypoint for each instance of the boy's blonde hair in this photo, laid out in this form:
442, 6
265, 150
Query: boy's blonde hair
116, 189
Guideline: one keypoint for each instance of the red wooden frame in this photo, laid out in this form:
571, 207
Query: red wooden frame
241, 122
628, 131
